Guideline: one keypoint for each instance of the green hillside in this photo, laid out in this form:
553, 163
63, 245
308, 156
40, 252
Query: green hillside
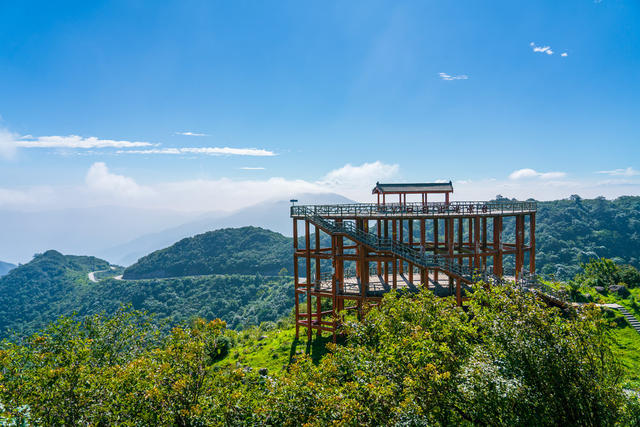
239, 300
571, 231
35, 293
246, 250
52, 284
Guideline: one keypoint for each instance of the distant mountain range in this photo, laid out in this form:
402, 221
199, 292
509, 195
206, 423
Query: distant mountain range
272, 215
5, 267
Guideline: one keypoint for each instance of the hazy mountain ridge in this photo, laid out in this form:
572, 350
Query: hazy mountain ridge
271, 215
5, 267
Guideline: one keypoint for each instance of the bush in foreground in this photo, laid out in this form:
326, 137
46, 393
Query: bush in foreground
416, 360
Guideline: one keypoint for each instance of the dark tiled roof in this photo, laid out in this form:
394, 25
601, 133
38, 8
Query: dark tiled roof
423, 187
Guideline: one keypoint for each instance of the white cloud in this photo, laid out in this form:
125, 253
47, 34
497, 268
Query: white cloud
212, 151
252, 168
354, 175
187, 133
445, 76
99, 179
564, 54
541, 49
75, 141
531, 173
621, 172
7, 144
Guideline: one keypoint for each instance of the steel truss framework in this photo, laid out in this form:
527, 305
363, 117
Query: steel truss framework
372, 249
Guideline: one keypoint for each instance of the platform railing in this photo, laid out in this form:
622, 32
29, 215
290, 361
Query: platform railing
417, 208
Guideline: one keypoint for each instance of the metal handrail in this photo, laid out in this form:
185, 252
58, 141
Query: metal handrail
412, 208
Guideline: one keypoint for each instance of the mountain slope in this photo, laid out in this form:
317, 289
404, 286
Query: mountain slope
39, 291
5, 267
246, 250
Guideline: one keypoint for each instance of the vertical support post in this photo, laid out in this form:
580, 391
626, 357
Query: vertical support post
497, 246
379, 232
436, 245
318, 299
484, 242
450, 243
424, 274
307, 247
409, 265
446, 198
334, 293
471, 232
296, 281
532, 243
519, 244
340, 268
476, 246
401, 226
460, 230
386, 263
394, 237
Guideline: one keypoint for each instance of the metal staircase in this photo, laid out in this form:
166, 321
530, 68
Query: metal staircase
527, 282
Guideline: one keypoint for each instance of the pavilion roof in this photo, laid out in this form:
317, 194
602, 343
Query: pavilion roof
423, 187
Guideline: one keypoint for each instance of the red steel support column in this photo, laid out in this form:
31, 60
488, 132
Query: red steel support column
379, 232
484, 242
318, 299
497, 246
296, 281
334, 293
519, 244
476, 246
394, 237
460, 230
424, 275
410, 266
471, 230
401, 240
435, 245
307, 248
386, 263
532, 243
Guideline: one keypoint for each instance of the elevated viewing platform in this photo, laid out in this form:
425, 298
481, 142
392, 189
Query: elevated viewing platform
349, 255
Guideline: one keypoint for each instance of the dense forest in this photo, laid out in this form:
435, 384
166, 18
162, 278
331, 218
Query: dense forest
53, 284
571, 231
246, 250
508, 359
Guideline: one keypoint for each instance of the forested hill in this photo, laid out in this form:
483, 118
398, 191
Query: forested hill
31, 292
571, 231
246, 250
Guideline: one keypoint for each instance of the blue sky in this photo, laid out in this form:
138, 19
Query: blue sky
526, 99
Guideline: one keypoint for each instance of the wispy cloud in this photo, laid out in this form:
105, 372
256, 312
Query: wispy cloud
564, 54
541, 49
188, 133
445, 76
252, 168
621, 172
75, 141
212, 151
532, 173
